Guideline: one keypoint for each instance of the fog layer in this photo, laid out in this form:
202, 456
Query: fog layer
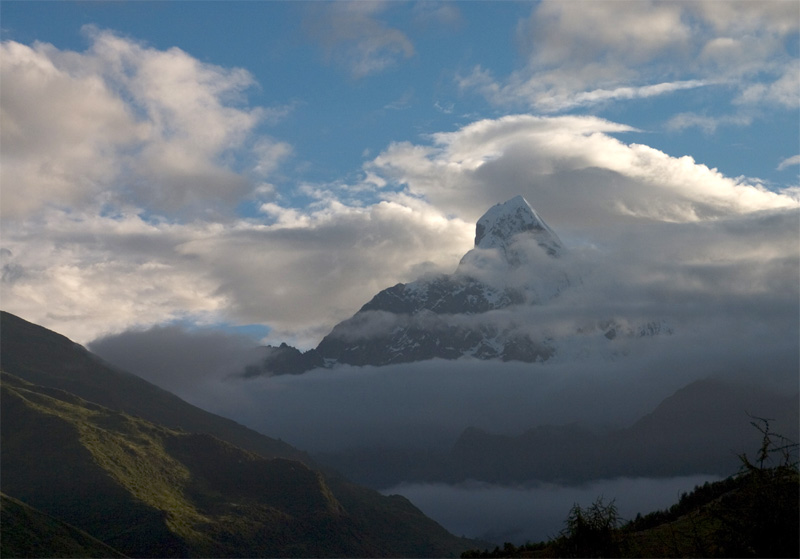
531, 514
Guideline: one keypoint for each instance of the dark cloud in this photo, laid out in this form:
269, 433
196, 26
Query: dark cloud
178, 359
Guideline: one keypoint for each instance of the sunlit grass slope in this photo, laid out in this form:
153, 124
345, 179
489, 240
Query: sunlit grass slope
149, 490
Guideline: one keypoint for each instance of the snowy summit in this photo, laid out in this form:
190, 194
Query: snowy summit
502, 222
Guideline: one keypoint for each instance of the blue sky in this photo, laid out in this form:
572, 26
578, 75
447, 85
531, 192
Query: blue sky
271, 165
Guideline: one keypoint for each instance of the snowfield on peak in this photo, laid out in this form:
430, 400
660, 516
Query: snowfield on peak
502, 222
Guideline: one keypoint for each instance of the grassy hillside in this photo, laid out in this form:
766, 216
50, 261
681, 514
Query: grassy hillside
150, 475
43, 357
147, 490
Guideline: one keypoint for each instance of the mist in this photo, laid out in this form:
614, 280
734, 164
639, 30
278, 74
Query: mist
531, 514
176, 358
428, 404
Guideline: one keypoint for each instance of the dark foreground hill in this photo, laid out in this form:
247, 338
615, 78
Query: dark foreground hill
147, 489
755, 513
28, 532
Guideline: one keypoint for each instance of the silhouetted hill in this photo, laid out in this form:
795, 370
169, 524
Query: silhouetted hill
755, 513
700, 429
28, 532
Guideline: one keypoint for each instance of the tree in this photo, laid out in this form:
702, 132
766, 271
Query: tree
760, 518
591, 532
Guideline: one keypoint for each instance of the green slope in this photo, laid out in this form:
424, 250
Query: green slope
43, 357
151, 491
180, 489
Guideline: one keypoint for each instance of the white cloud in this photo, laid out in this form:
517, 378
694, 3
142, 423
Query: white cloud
352, 36
95, 268
427, 13
63, 133
87, 275
577, 33
785, 91
708, 124
788, 162
584, 53
571, 170
157, 128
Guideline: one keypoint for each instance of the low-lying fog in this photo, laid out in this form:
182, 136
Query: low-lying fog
428, 404
532, 514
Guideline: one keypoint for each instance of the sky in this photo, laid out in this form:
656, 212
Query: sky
265, 167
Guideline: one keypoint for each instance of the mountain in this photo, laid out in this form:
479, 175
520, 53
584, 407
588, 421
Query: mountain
449, 316
147, 489
480, 311
701, 428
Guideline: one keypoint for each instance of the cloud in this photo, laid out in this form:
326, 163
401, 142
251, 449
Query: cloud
121, 121
87, 275
573, 172
75, 123
532, 514
788, 162
352, 36
782, 92
322, 265
708, 124
176, 358
726, 289
579, 54
427, 13
96, 268
426, 405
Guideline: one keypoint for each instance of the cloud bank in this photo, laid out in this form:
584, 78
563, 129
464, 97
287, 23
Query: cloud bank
124, 123
117, 230
580, 54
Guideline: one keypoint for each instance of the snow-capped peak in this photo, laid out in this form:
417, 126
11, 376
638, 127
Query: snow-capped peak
503, 221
